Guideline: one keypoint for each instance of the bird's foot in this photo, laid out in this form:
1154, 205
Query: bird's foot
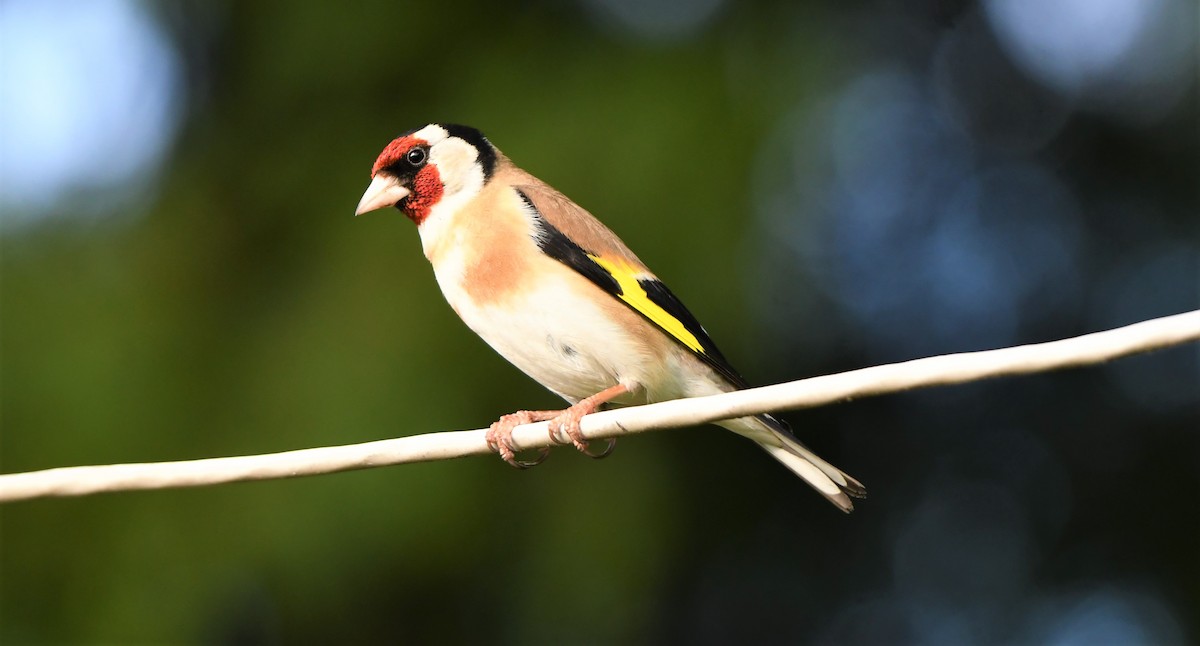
564, 429
566, 424
499, 436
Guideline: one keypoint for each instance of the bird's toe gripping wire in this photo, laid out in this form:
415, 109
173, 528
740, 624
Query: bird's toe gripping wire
564, 429
499, 436
567, 423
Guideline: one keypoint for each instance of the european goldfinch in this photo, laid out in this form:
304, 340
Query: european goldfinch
560, 296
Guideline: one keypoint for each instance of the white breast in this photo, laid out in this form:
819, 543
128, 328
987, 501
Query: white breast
557, 336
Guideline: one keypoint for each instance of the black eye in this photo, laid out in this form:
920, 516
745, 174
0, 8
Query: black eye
416, 156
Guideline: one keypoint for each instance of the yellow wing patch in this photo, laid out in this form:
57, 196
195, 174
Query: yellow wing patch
635, 295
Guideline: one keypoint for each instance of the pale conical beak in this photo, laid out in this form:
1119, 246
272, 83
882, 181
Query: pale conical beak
384, 191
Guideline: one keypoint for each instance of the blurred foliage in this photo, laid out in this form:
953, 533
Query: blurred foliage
243, 310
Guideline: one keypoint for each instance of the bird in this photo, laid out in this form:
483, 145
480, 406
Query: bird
561, 297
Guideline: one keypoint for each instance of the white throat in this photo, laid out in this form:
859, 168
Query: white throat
462, 177
436, 227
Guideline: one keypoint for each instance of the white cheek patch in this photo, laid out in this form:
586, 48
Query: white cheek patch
455, 161
462, 179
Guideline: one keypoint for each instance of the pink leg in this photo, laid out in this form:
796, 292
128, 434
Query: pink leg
568, 421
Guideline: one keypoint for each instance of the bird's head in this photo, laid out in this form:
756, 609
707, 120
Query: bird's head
438, 166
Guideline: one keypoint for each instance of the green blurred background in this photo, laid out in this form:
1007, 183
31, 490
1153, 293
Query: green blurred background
827, 187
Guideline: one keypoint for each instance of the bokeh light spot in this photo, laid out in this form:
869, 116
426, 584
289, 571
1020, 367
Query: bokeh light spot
1132, 58
90, 103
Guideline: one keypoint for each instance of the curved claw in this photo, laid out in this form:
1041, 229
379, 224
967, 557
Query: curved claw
612, 444
543, 453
